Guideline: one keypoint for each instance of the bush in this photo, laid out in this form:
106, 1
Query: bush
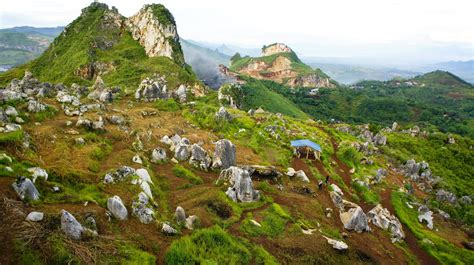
208, 246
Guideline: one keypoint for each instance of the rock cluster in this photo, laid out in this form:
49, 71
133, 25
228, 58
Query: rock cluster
239, 183
382, 218
142, 210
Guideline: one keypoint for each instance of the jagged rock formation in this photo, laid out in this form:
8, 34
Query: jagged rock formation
154, 27
275, 48
239, 184
281, 64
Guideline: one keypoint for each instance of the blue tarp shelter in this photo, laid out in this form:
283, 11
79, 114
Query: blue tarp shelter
307, 146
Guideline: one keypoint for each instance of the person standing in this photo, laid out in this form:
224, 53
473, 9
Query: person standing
327, 179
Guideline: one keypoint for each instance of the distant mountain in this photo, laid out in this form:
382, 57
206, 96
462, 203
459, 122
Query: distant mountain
349, 74
228, 49
205, 62
463, 69
19, 45
279, 63
50, 31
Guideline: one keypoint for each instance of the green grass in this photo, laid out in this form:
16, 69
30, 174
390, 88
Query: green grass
182, 172
215, 246
368, 195
167, 105
273, 222
11, 137
25, 255
48, 113
442, 250
132, 255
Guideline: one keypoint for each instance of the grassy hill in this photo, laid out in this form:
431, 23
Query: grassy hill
440, 101
91, 45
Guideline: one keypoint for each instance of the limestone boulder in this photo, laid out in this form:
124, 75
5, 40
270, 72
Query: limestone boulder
117, 208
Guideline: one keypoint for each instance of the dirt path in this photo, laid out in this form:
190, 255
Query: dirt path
410, 239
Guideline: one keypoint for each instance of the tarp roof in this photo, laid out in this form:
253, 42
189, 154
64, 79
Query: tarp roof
306, 143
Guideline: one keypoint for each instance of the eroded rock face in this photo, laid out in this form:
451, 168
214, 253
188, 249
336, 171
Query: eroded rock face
382, 218
70, 226
240, 187
158, 155
223, 115
425, 215
151, 89
155, 29
119, 175
224, 154
117, 208
355, 219
182, 150
142, 210
275, 48
199, 157
180, 215
25, 189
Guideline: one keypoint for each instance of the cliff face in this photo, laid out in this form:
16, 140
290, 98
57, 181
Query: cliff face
275, 48
155, 29
280, 64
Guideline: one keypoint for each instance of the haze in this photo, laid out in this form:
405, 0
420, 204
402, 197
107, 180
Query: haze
388, 32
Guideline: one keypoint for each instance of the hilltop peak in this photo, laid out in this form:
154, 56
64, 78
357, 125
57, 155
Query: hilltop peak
280, 63
441, 78
275, 48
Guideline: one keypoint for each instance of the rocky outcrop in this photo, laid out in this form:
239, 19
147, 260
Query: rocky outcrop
142, 209
151, 89
382, 218
117, 208
275, 48
70, 226
180, 215
155, 29
223, 115
224, 154
199, 157
336, 244
424, 214
239, 183
120, 174
35, 216
280, 64
355, 219
25, 189
158, 155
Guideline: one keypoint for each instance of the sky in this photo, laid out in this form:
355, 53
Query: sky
390, 31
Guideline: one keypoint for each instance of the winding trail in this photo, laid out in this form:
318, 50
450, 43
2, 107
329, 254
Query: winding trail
410, 239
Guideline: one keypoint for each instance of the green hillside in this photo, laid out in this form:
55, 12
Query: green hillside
431, 106
93, 39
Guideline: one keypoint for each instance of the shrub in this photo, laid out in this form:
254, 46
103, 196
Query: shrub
208, 246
